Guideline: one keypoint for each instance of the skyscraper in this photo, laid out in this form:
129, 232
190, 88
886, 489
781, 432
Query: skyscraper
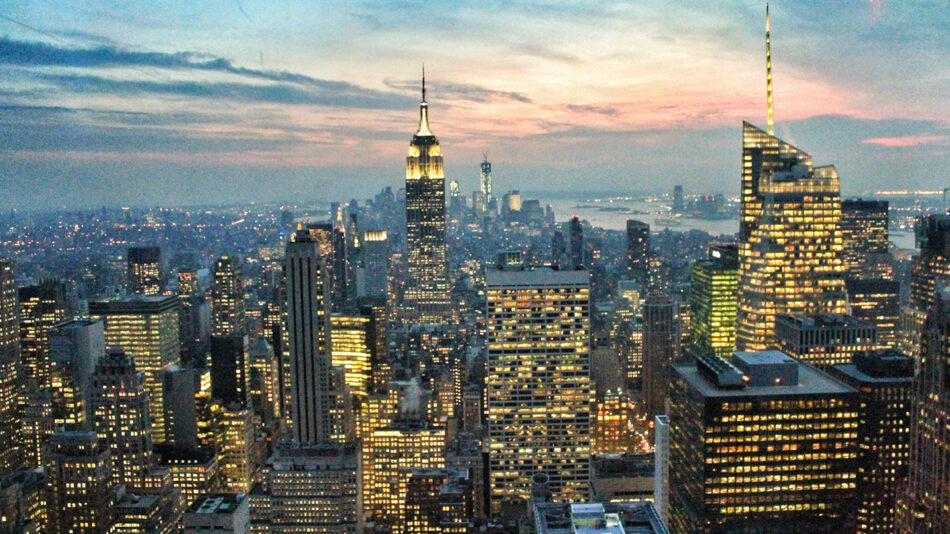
923, 506
576, 237
713, 301
235, 446
876, 301
789, 239
120, 416
227, 297
9, 366
761, 443
41, 307
484, 180
351, 351
375, 250
314, 403
74, 348
230, 369
145, 270
933, 261
638, 250
145, 327
428, 292
823, 339
661, 347
80, 488
864, 232
538, 384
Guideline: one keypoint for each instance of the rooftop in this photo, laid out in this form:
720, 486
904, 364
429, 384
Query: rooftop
216, 503
636, 517
536, 276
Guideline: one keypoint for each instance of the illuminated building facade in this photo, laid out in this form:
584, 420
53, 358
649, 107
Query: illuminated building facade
428, 293
876, 301
313, 488
23, 494
538, 383
74, 348
228, 309
41, 307
439, 501
661, 347
154, 506
145, 327
80, 489
194, 471
638, 250
713, 301
865, 234
320, 410
235, 449
120, 416
823, 339
611, 428
924, 505
351, 351
263, 383
790, 250
9, 366
375, 252
38, 424
761, 443
395, 450
933, 261
145, 270
884, 379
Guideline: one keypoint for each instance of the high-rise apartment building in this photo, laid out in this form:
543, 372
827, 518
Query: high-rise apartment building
538, 383
713, 301
790, 248
146, 273
81, 496
428, 293
145, 327
761, 443
884, 379
823, 339
120, 416
228, 309
661, 347
9, 367
312, 488
638, 250
864, 232
317, 403
924, 505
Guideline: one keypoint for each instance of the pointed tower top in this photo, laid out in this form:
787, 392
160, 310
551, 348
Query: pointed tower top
423, 82
768, 71
424, 109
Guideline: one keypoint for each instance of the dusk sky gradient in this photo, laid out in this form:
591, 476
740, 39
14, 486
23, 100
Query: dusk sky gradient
184, 102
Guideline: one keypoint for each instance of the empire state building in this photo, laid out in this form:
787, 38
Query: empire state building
427, 295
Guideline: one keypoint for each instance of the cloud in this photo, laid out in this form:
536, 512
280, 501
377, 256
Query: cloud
602, 110
906, 141
449, 91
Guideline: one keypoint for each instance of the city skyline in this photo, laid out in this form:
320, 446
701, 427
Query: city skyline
177, 104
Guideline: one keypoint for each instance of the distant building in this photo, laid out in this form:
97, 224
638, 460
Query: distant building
228, 309
41, 307
597, 518
576, 234
10, 367
638, 250
931, 266
731, 470
145, 270
217, 513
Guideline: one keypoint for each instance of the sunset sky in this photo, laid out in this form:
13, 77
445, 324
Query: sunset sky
190, 102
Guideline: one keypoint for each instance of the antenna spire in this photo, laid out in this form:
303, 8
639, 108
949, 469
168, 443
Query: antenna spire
768, 71
423, 82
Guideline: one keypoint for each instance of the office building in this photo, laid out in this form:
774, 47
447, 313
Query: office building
235, 449
610, 431
439, 501
194, 471
145, 327
41, 307
924, 505
790, 252
538, 350
80, 494
661, 466
38, 423
145, 270
931, 266
230, 369
23, 495
332, 243
823, 339
263, 387
217, 513
375, 253
9, 367
351, 351
761, 443
228, 309
865, 235
179, 388
318, 404
661, 347
713, 300
876, 301
154, 506
312, 488
576, 238
428, 293
597, 518
74, 348
120, 416
884, 379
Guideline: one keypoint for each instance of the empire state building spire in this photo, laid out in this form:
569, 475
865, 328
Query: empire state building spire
424, 109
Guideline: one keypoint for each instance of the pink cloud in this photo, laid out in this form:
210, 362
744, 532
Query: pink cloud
908, 140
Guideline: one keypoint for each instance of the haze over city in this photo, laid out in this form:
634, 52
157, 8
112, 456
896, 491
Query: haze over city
171, 103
